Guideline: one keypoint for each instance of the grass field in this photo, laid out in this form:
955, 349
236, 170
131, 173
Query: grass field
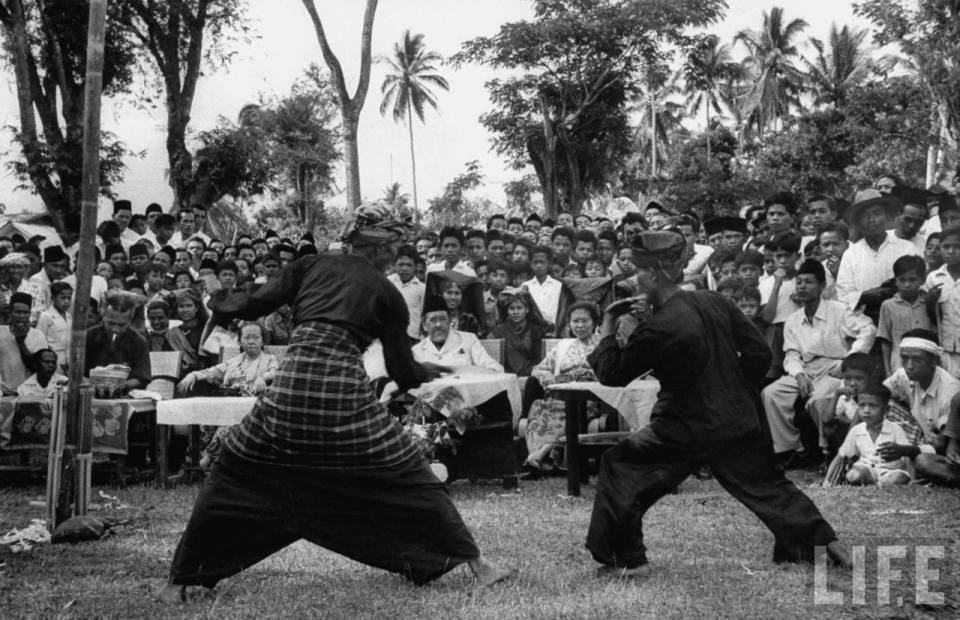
711, 558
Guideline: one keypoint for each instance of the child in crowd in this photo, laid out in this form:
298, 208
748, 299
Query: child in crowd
572, 271
904, 311
749, 304
749, 265
104, 270
44, 382
55, 321
724, 265
857, 369
498, 278
731, 288
931, 252
594, 268
777, 294
865, 437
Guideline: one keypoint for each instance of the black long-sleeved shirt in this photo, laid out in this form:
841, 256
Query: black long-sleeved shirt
343, 290
708, 358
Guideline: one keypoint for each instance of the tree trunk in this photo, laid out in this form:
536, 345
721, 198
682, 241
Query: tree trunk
413, 157
549, 163
352, 159
350, 107
178, 156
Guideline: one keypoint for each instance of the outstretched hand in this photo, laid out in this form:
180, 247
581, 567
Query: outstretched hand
638, 304
435, 371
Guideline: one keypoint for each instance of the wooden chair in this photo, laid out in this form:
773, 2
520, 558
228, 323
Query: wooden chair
549, 344
494, 347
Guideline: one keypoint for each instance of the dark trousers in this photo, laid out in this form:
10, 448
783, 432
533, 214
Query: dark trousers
643, 468
400, 519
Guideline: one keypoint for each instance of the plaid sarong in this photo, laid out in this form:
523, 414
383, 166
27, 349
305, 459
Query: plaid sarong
900, 413
321, 410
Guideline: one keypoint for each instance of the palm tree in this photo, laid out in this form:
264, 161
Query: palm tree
660, 117
707, 72
407, 88
844, 62
775, 80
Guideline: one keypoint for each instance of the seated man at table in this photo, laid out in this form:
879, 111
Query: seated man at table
113, 342
44, 382
448, 347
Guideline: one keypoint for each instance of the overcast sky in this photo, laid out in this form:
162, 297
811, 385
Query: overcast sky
452, 135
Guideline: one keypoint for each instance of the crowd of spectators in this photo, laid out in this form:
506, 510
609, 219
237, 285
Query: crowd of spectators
859, 302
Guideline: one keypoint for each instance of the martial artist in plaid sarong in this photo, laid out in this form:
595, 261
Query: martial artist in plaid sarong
319, 457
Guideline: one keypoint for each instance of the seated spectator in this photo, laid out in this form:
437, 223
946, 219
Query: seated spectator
460, 295
113, 342
18, 343
777, 294
865, 439
522, 329
904, 311
927, 389
857, 370
944, 469
565, 362
250, 372
186, 336
749, 304
445, 346
43, 384
815, 343
158, 325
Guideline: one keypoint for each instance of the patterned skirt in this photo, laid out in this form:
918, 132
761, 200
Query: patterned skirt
321, 410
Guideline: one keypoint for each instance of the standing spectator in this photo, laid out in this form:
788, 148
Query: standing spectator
562, 241
869, 262
55, 321
200, 222
18, 343
410, 287
522, 330
122, 212
904, 311
544, 289
186, 229
476, 246
56, 266
912, 217
943, 288
834, 241
451, 245
13, 269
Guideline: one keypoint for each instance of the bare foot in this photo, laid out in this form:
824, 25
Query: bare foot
172, 594
839, 554
488, 573
612, 572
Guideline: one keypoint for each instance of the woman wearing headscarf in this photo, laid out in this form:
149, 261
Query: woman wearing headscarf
522, 329
187, 336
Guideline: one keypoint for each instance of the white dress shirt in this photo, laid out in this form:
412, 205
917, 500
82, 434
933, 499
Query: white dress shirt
859, 444
862, 268
930, 407
461, 267
948, 307
460, 349
823, 339
412, 292
546, 296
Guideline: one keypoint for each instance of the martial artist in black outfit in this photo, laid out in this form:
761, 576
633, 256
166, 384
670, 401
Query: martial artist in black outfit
710, 361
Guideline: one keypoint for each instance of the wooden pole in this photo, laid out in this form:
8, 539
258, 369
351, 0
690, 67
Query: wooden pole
79, 421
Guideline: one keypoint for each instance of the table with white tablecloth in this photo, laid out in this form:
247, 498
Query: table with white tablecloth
634, 403
473, 388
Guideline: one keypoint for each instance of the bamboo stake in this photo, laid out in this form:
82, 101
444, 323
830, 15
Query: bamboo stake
79, 418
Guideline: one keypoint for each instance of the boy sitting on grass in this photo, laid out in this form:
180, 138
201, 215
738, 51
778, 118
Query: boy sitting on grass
857, 370
866, 438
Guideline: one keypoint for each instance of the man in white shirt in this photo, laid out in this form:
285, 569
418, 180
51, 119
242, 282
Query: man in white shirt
869, 262
122, 212
409, 286
451, 245
200, 223
446, 347
18, 343
814, 342
56, 266
186, 230
544, 290
927, 388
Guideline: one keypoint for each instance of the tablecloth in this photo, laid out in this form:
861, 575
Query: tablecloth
634, 402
